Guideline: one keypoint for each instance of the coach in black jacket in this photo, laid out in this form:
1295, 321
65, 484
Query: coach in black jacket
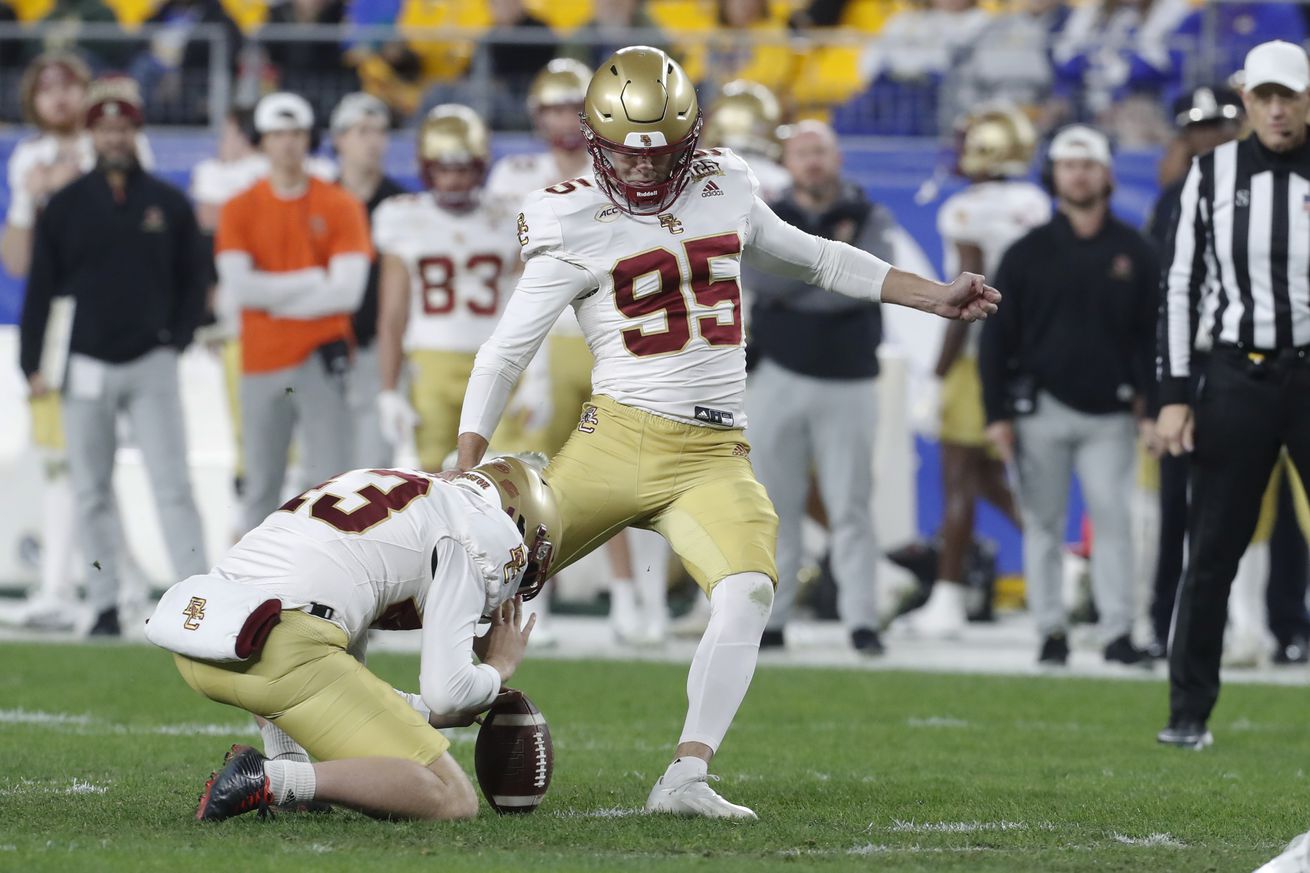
1065, 368
126, 248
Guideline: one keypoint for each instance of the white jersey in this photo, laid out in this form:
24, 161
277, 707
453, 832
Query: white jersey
991, 216
514, 177
395, 550
215, 182
658, 297
43, 151
773, 178
462, 267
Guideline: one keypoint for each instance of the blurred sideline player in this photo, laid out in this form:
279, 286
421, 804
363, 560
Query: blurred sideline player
214, 181
386, 549
745, 118
293, 256
449, 260
977, 225
359, 126
52, 93
638, 610
656, 290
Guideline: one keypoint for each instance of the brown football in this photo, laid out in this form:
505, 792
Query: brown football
513, 756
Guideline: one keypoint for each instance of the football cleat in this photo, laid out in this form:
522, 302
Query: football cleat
316, 807
1186, 734
240, 787
695, 797
943, 617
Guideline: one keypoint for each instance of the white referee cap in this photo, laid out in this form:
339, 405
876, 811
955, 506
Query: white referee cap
1277, 63
1078, 142
283, 110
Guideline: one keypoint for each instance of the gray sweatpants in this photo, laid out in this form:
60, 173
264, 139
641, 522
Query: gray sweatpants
1053, 444
271, 405
147, 391
796, 423
371, 449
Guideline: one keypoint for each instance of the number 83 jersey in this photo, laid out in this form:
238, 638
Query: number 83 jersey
665, 319
462, 266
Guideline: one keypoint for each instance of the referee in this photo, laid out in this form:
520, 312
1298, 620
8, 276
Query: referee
1239, 282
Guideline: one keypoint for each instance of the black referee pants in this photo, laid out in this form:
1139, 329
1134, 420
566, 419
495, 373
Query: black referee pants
1173, 539
1245, 412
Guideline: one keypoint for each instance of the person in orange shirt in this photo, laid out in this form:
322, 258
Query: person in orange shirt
293, 254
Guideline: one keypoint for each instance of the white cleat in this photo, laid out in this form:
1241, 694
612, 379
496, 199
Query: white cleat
1295, 858
943, 617
695, 797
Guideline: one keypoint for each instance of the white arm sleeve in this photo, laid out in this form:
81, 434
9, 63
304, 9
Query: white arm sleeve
547, 285
22, 209
775, 246
256, 289
342, 291
449, 681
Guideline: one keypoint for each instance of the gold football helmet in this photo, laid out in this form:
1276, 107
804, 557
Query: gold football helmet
453, 135
745, 118
641, 104
996, 143
563, 84
530, 504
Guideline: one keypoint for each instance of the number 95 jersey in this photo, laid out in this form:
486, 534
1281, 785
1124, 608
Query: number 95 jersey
462, 267
665, 320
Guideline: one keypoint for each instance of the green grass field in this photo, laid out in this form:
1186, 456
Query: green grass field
104, 750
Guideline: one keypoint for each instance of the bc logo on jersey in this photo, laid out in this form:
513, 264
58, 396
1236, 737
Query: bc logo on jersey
523, 230
195, 613
670, 223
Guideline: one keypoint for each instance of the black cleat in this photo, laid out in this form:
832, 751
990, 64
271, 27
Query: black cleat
865, 640
1297, 651
772, 639
1122, 651
1055, 650
240, 787
106, 624
317, 807
1186, 734
920, 558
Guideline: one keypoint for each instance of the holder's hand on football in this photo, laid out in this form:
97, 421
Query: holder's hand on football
508, 638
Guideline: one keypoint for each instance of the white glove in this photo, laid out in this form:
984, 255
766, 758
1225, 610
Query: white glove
396, 418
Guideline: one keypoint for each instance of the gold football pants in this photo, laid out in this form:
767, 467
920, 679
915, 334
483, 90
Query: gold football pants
693, 485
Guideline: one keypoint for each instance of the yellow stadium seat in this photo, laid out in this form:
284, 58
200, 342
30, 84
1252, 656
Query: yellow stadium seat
31, 10
675, 15
828, 75
248, 14
131, 13
442, 59
563, 14
870, 15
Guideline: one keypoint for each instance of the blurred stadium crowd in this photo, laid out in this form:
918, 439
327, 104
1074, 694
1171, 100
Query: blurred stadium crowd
870, 66
995, 78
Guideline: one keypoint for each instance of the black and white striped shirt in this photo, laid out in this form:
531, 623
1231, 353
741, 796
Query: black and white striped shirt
1239, 264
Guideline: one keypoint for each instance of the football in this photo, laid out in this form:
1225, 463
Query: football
514, 756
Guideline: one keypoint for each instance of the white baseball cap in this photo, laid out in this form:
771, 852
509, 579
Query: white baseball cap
1277, 62
283, 110
355, 108
1079, 142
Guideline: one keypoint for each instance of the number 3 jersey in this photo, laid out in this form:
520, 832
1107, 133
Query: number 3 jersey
659, 296
462, 267
394, 549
